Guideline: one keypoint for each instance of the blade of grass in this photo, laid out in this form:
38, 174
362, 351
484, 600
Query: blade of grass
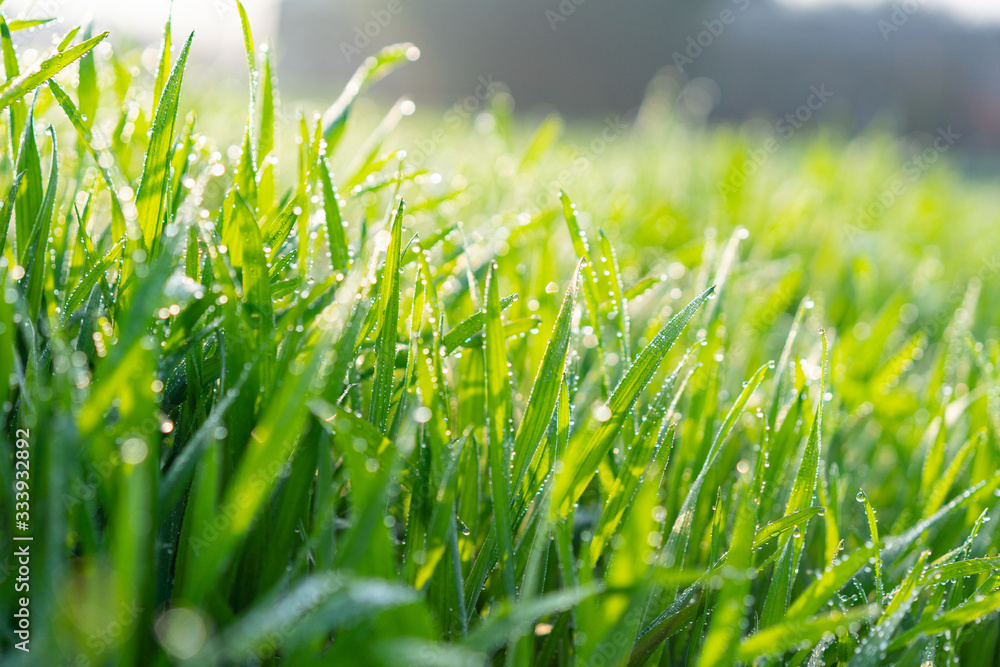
14, 88
581, 464
387, 315
498, 428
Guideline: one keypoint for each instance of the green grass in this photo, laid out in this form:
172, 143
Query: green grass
735, 413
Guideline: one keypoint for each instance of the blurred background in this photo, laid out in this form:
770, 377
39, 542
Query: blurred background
918, 66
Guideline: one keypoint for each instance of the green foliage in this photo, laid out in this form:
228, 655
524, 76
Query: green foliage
277, 416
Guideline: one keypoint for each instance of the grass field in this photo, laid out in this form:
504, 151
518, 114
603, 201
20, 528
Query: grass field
632, 392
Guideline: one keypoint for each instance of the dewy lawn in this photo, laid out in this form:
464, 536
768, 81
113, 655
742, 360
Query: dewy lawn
518, 398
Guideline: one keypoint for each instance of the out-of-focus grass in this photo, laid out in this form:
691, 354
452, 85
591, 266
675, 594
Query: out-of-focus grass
621, 393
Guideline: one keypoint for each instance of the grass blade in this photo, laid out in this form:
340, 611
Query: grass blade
387, 316
17, 87
499, 438
545, 389
581, 464
151, 194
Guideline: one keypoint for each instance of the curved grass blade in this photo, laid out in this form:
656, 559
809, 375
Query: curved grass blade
266, 135
151, 193
546, 387
339, 252
674, 618
468, 328
909, 586
786, 355
271, 443
873, 531
35, 267
618, 304
8, 209
440, 521
591, 289
499, 413
25, 24
28, 199
963, 568
316, 606
372, 70
680, 532
250, 49
88, 89
645, 458
387, 316
805, 479
783, 525
163, 68
972, 610
943, 484
800, 497
17, 87
730, 609
182, 468
256, 285
819, 592
897, 545
18, 109
494, 631
782, 578
277, 228
796, 633
92, 274
581, 464
104, 157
